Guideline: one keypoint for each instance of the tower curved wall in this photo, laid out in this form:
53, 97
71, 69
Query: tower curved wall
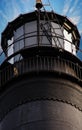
38, 102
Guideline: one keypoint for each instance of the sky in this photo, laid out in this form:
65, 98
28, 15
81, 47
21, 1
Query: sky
10, 9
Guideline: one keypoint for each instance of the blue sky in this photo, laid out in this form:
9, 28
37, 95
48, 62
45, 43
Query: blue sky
10, 9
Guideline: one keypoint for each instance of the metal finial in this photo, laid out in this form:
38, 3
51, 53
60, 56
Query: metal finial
39, 4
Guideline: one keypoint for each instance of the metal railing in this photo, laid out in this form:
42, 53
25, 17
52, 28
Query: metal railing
50, 40
38, 64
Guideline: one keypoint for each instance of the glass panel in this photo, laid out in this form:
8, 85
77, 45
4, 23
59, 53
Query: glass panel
10, 47
45, 33
73, 49
68, 45
17, 58
30, 34
57, 33
19, 39
19, 33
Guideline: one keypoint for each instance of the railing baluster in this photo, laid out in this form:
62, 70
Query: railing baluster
40, 63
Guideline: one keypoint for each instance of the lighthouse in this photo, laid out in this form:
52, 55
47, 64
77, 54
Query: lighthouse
41, 76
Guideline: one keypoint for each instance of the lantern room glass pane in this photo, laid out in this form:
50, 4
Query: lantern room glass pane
10, 50
31, 34
19, 39
45, 34
57, 35
68, 44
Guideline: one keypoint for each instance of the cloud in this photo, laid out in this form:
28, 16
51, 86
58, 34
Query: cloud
25, 1
66, 8
16, 9
72, 10
75, 19
26, 5
3, 15
11, 14
74, 5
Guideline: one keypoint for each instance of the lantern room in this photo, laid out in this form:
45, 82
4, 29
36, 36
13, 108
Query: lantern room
49, 30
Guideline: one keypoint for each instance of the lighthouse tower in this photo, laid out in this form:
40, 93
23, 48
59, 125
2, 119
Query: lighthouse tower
41, 77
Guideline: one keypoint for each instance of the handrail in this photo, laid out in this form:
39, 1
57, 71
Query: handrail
18, 41
38, 64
